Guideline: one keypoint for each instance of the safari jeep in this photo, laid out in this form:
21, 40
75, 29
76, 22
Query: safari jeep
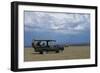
44, 46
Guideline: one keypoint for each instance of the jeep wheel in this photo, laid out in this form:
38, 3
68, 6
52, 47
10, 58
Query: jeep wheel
57, 51
41, 52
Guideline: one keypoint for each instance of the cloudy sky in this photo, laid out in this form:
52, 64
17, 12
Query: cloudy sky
63, 27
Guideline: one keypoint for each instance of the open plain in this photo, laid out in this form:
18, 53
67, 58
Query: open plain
69, 53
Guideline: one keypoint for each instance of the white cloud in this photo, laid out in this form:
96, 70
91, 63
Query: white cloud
79, 27
57, 22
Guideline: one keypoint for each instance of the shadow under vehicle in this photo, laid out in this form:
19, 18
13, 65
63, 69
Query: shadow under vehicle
45, 46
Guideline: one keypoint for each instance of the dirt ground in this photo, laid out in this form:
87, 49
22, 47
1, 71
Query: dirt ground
71, 52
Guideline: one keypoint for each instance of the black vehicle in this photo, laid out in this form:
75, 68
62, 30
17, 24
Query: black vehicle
44, 46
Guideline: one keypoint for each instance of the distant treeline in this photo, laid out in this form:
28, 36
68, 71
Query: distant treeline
82, 44
85, 44
28, 46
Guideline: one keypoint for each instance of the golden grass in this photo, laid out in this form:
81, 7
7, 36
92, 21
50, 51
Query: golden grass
71, 52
